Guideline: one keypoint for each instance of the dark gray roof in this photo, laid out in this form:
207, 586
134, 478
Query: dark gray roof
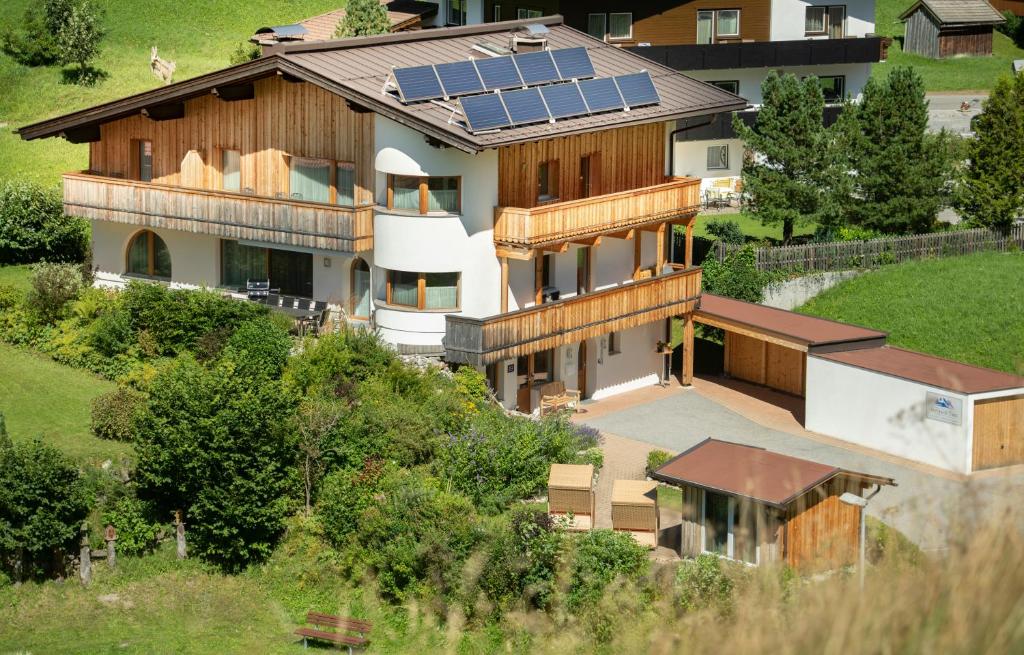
958, 12
357, 68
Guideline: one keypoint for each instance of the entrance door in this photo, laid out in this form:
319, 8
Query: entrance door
583, 270
581, 370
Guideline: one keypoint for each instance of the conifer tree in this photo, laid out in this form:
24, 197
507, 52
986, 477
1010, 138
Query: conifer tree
363, 18
991, 191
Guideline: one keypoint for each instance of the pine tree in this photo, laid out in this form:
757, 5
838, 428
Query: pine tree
363, 18
790, 173
991, 191
900, 171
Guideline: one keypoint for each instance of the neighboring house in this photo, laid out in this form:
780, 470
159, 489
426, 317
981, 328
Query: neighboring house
403, 14
755, 506
950, 28
536, 252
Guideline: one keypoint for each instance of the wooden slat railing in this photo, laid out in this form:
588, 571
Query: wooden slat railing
219, 213
587, 217
481, 341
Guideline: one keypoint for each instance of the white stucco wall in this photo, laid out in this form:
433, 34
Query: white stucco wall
788, 17
636, 366
195, 258
750, 79
691, 160
885, 413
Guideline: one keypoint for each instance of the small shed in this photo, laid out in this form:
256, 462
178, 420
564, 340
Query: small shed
948, 28
571, 494
756, 506
635, 510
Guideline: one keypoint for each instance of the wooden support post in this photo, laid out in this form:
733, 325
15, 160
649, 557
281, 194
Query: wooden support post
637, 254
85, 556
689, 243
726, 337
687, 374
538, 279
504, 284
660, 259
764, 362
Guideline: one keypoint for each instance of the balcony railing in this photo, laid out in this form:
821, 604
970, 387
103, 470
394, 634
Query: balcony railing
588, 217
767, 54
482, 341
219, 213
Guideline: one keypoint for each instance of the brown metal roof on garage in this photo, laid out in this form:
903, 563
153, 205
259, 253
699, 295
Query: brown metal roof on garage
928, 369
807, 332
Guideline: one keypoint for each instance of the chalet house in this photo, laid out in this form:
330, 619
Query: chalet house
755, 506
403, 14
950, 28
510, 212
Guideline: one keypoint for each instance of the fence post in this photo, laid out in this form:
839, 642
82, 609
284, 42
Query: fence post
85, 556
179, 529
111, 538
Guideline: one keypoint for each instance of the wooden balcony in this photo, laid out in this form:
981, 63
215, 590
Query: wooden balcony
482, 341
219, 213
586, 218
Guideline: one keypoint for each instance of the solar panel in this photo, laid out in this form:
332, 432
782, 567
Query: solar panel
459, 78
601, 94
573, 63
525, 106
417, 83
537, 67
484, 112
498, 73
637, 89
563, 100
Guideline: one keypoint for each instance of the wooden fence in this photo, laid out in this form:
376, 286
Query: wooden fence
843, 255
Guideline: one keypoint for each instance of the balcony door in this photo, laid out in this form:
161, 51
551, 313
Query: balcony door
583, 256
590, 175
705, 27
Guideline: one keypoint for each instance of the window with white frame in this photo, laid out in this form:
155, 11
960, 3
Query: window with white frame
833, 87
597, 25
528, 13
620, 26
718, 157
727, 23
825, 20
496, 13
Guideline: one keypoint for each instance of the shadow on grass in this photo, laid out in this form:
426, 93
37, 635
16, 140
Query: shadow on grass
88, 76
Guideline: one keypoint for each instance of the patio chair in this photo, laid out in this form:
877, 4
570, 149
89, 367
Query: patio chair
288, 302
273, 300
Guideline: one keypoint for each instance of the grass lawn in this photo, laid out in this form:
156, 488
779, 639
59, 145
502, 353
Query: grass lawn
959, 74
970, 308
751, 227
15, 276
198, 36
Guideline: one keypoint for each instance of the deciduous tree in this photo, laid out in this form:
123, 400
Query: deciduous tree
79, 38
363, 18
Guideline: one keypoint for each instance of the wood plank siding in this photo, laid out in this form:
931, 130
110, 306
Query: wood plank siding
482, 341
281, 121
822, 532
763, 362
998, 432
922, 34
219, 213
676, 199
674, 22
973, 41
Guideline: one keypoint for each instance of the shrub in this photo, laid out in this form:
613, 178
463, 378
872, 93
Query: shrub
43, 501
702, 583
10, 296
116, 414
111, 333
33, 226
472, 386
350, 356
600, 557
217, 446
53, 287
362, 18
244, 52
656, 459
136, 533
726, 230
736, 277
258, 348
522, 560
345, 495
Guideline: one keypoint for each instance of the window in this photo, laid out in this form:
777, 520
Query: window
705, 27
360, 288
547, 181
345, 184
456, 12
231, 170
730, 527
529, 13
833, 87
289, 272
718, 157
597, 25
620, 26
148, 255
732, 86
727, 22
830, 20
309, 179
614, 343
422, 290
424, 194
716, 523
142, 160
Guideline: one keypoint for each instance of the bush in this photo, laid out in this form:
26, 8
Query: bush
499, 459
350, 356
701, 583
522, 560
43, 502
10, 296
600, 557
53, 287
656, 459
736, 277
111, 332
258, 348
116, 414
345, 495
244, 52
136, 533
36, 44
725, 230
33, 226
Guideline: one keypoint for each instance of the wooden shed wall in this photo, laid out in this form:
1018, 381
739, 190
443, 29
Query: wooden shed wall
998, 432
762, 362
970, 41
822, 532
922, 34
296, 119
690, 536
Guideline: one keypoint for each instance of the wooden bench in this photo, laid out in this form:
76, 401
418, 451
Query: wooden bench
554, 396
335, 629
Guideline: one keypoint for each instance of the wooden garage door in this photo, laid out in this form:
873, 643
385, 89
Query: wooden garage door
765, 363
998, 432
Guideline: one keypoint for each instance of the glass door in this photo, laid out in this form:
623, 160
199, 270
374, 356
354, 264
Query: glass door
836, 22
705, 27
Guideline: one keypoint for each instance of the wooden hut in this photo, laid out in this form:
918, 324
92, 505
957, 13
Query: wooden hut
635, 510
948, 28
756, 506
571, 494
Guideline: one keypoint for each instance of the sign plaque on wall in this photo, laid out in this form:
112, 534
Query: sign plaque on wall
942, 407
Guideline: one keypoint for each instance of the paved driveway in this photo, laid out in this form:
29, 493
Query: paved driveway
921, 506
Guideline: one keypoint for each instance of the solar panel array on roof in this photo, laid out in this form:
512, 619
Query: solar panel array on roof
519, 107
454, 79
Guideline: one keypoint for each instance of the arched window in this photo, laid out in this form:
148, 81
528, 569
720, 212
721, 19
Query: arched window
360, 288
148, 255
